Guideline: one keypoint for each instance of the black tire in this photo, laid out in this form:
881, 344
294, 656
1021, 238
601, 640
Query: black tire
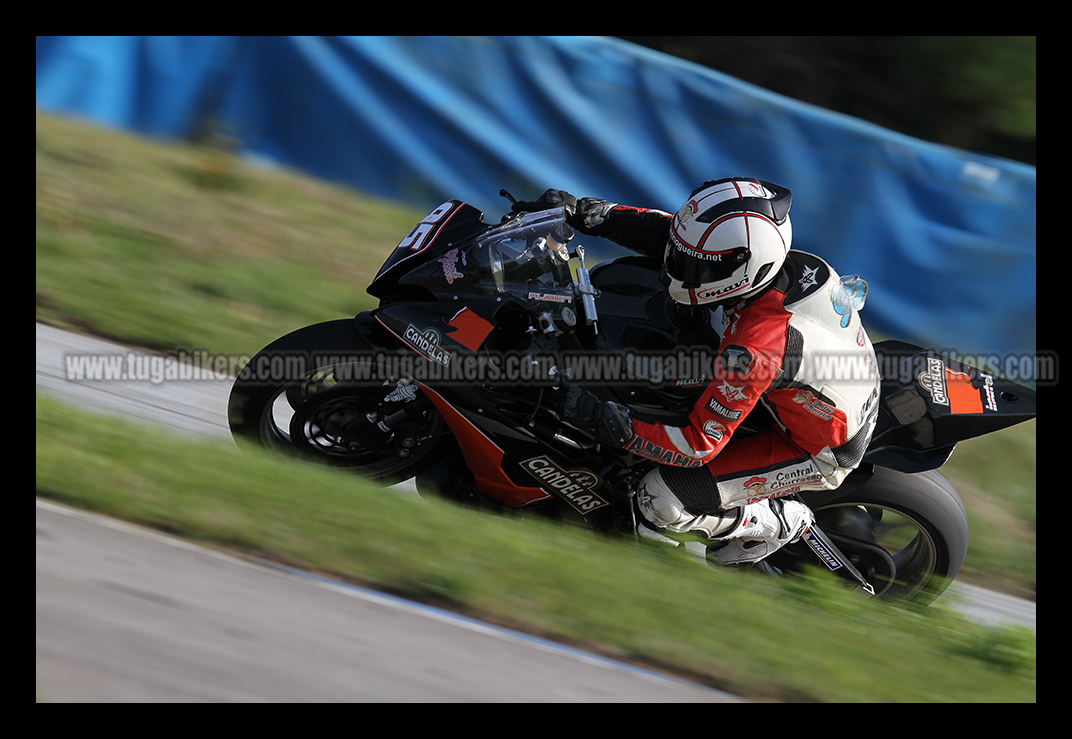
916, 520
308, 395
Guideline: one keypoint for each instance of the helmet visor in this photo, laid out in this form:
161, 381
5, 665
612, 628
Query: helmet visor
694, 267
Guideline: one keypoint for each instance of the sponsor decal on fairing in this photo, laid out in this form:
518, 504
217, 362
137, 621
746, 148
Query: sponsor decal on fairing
450, 266
933, 380
427, 344
576, 486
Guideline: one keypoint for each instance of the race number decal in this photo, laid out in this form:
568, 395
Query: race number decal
422, 233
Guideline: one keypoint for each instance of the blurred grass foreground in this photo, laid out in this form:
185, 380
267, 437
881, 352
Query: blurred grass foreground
168, 245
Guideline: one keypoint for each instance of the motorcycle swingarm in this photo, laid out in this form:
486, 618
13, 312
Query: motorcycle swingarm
833, 558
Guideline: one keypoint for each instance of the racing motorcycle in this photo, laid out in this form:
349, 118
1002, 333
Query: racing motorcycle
455, 381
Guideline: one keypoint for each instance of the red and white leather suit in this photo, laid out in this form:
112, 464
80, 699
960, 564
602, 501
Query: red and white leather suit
799, 349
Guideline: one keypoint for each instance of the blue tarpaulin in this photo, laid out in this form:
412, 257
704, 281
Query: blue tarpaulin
946, 238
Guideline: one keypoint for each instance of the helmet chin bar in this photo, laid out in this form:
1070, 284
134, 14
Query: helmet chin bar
688, 291
727, 241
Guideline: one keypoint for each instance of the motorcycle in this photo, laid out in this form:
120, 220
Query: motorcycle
454, 379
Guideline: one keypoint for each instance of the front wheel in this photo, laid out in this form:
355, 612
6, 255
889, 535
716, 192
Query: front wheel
322, 393
906, 533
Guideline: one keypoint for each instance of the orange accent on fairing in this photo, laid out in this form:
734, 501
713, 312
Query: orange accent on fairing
963, 398
483, 457
469, 329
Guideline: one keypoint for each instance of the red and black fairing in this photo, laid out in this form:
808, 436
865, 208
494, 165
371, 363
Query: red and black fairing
442, 333
519, 465
930, 402
512, 463
438, 300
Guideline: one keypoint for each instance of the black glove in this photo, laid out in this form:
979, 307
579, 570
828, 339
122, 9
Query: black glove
589, 215
577, 406
550, 199
586, 215
612, 422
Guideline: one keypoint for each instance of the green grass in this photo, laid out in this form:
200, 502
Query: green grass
169, 245
995, 475
749, 634
132, 244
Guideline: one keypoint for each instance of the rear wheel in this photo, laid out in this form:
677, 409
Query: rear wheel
906, 533
321, 393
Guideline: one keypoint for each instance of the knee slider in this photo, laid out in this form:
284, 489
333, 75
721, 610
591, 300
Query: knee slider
657, 503
661, 508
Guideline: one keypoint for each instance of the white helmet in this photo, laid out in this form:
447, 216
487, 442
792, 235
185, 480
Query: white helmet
728, 241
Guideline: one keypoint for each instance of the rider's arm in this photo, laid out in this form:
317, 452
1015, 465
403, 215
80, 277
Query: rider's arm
724, 403
641, 230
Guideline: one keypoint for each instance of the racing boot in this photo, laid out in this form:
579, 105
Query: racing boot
764, 528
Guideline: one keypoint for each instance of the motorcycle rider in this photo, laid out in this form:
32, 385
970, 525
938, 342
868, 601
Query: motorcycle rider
787, 318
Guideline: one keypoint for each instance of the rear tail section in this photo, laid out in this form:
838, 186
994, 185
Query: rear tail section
930, 402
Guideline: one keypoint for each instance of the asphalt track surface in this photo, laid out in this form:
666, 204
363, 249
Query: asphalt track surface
126, 614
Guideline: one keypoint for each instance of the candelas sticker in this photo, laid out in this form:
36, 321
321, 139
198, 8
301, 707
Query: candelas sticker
577, 487
427, 344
